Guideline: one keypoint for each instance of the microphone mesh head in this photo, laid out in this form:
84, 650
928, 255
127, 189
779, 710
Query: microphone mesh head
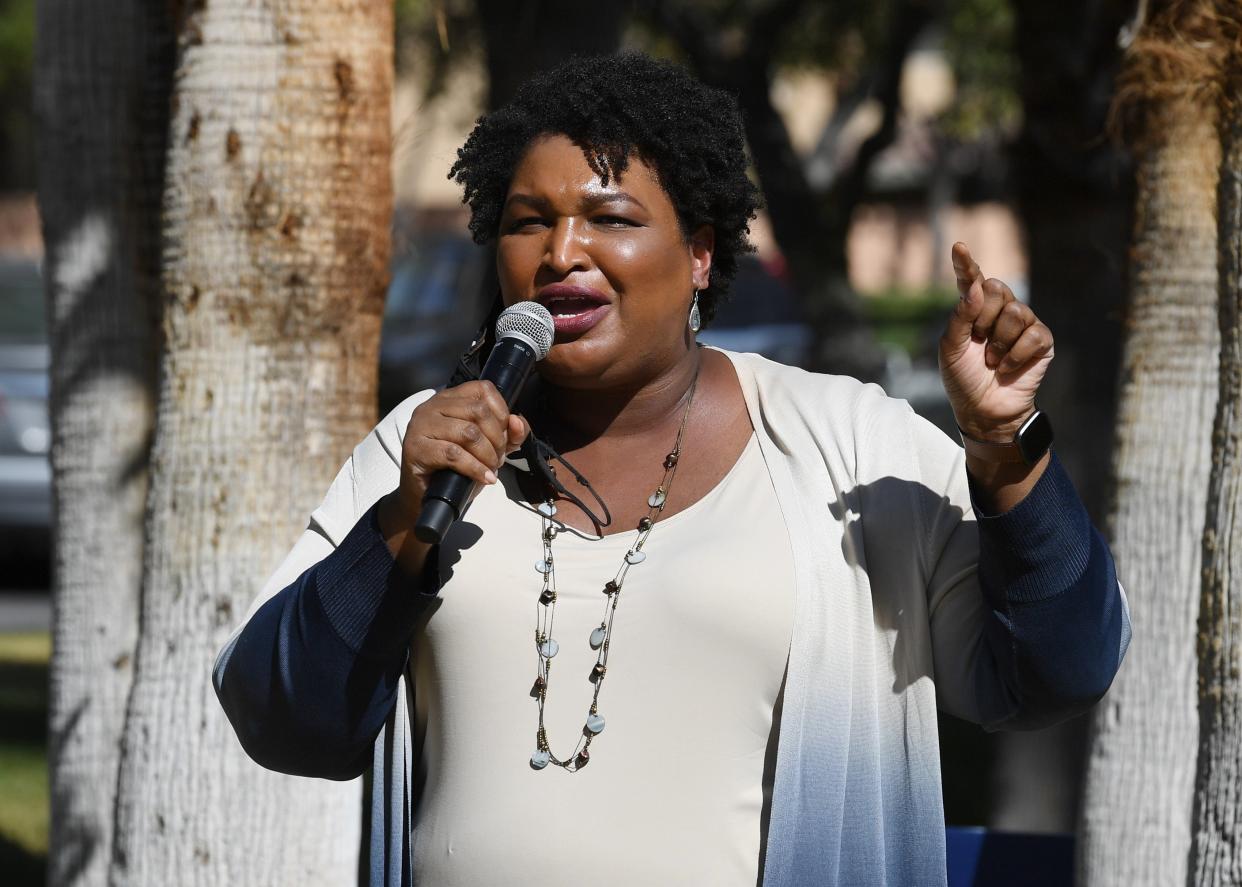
529, 321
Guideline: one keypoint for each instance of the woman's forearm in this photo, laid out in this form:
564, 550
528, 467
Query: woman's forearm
314, 673
1057, 627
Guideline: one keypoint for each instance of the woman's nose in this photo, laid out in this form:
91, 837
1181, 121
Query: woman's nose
564, 251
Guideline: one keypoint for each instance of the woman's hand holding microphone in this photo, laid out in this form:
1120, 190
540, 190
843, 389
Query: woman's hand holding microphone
467, 429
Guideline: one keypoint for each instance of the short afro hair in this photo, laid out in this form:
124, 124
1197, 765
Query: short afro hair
615, 107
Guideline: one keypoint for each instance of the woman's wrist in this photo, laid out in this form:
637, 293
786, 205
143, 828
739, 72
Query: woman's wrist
397, 527
991, 431
1000, 486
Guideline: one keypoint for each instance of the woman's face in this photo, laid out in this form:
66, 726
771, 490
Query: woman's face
609, 261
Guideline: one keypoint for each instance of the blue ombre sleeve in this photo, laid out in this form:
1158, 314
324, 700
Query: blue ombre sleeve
1056, 624
314, 673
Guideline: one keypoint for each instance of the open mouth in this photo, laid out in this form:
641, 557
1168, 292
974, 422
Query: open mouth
570, 307
574, 310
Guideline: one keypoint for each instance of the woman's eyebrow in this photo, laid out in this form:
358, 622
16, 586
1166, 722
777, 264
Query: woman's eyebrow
530, 200
588, 202
600, 198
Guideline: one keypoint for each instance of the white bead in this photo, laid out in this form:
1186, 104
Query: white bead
547, 509
540, 759
656, 499
595, 723
597, 638
635, 557
549, 648
543, 566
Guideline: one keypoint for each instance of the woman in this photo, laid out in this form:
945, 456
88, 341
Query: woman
729, 611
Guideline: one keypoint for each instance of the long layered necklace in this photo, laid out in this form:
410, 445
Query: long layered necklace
601, 637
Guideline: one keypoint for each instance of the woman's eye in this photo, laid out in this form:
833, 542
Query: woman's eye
614, 222
524, 222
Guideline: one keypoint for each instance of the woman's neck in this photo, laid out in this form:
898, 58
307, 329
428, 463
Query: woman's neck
582, 415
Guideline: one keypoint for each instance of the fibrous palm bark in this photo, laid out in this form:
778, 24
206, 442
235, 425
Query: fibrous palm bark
1216, 846
276, 249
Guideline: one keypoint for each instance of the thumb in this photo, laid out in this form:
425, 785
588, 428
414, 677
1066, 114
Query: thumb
962, 318
516, 432
970, 287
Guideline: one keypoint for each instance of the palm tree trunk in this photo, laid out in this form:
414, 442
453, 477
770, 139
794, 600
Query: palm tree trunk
1134, 827
104, 72
276, 251
1216, 851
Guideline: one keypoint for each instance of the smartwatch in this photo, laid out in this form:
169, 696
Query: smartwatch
1028, 446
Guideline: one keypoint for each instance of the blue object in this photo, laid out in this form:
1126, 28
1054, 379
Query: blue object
978, 857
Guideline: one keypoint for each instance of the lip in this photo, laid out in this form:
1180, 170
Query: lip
586, 307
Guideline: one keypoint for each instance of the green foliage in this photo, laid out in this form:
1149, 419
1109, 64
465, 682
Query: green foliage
23, 756
909, 319
902, 303
17, 34
842, 37
17, 30
979, 44
432, 36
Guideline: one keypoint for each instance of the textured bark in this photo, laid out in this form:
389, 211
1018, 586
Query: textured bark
276, 255
1134, 828
1216, 848
104, 72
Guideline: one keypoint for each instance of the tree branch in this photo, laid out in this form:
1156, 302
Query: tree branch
909, 19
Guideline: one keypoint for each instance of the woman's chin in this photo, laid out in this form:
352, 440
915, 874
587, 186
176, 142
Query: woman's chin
578, 362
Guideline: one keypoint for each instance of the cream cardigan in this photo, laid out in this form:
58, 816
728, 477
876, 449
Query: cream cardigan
891, 619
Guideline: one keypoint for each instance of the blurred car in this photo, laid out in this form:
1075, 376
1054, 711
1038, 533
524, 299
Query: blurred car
25, 434
761, 314
434, 307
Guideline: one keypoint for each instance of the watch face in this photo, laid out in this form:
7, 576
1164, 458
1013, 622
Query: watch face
1035, 437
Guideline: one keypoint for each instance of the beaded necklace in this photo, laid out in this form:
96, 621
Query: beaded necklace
600, 639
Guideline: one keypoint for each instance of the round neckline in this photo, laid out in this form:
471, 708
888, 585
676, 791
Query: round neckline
564, 531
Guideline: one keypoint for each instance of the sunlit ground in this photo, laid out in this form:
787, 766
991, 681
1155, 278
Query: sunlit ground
23, 757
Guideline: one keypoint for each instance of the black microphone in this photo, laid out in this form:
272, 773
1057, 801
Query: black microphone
524, 335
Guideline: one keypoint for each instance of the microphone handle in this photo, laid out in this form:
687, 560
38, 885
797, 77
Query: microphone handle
448, 492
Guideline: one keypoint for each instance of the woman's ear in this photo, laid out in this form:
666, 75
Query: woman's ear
702, 245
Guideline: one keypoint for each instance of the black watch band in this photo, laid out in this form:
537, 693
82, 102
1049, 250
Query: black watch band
1028, 446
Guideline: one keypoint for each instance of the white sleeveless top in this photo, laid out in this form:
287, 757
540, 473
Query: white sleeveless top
675, 786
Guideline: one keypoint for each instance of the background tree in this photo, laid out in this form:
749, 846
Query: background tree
104, 75
17, 131
1074, 190
1216, 848
1073, 186
276, 228
1136, 810
522, 39
275, 254
736, 46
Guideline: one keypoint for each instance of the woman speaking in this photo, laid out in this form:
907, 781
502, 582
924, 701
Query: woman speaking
697, 621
